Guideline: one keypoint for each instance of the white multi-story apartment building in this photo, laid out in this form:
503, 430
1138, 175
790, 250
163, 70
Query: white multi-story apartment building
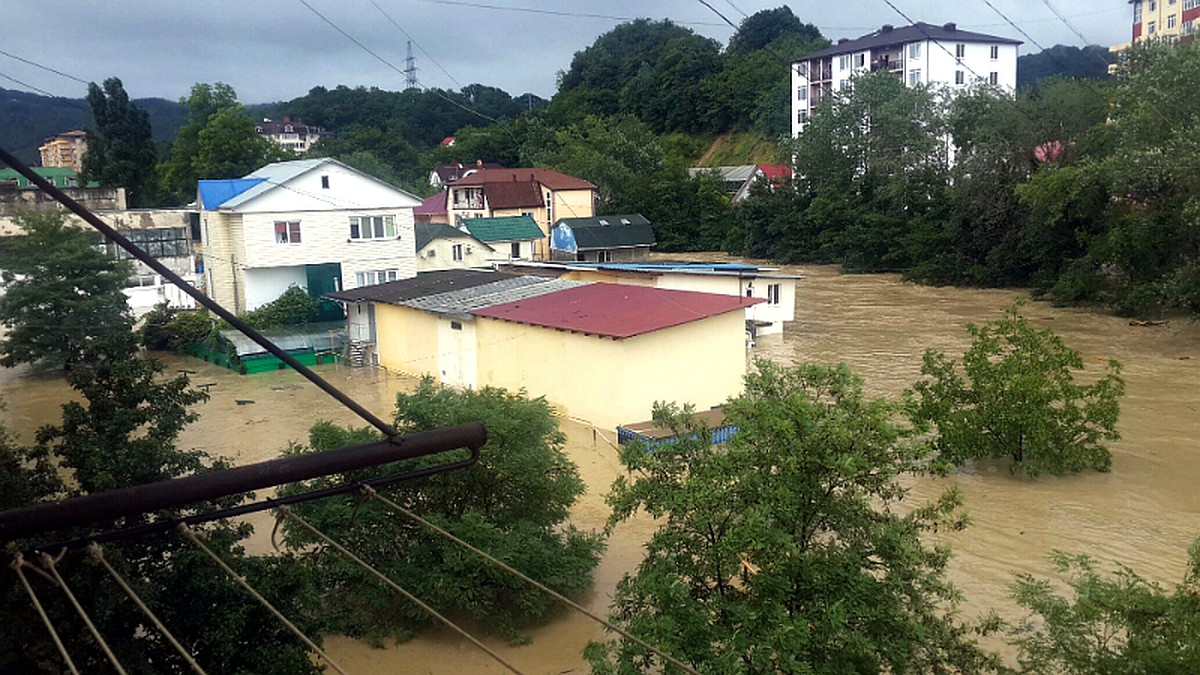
918, 54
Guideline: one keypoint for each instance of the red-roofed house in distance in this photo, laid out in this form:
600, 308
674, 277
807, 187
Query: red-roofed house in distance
602, 353
542, 194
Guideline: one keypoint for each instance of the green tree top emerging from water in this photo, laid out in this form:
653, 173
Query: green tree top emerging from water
1015, 395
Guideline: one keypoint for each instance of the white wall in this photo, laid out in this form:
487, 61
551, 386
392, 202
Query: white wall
457, 356
265, 284
731, 285
348, 191
941, 65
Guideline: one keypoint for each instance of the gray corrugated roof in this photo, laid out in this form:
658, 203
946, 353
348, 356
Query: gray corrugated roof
467, 300
905, 34
741, 173
422, 285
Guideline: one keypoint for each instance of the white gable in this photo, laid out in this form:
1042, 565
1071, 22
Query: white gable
324, 186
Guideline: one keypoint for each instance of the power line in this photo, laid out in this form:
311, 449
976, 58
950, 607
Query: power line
43, 92
46, 68
552, 12
718, 13
737, 9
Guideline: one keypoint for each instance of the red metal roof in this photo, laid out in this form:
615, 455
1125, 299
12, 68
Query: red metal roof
432, 205
616, 310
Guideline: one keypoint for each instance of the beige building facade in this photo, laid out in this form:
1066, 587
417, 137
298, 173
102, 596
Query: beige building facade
65, 150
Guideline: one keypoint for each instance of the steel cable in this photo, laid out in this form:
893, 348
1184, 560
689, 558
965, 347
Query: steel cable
18, 562
51, 564
241, 581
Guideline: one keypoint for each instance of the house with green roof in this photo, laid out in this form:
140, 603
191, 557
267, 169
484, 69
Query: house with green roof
59, 177
441, 247
513, 236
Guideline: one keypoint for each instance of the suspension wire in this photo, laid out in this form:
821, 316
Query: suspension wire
97, 554
17, 564
533, 582
51, 564
204, 301
188, 534
288, 513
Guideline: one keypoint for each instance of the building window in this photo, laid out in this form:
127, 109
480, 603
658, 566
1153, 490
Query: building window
995, 52
914, 50
372, 277
1171, 21
914, 77
959, 78
802, 93
1137, 10
1187, 4
372, 227
841, 84
454, 325
802, 69
844, 62
287, 232
993, 78
960, 50
515, 249
456, 252
773, 294
1150, 28
802, 117
324, 182
1153, 5
603, 256
860, 60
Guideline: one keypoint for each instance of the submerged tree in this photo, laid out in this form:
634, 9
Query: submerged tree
513, 504
1120, 623
786, 549
1015, 396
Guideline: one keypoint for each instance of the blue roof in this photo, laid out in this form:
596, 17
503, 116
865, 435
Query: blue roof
214, 193
730, 267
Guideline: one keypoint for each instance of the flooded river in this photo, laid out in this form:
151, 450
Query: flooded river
1143, 514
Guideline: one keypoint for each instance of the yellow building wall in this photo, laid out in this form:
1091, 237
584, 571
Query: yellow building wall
609, 382
407, 339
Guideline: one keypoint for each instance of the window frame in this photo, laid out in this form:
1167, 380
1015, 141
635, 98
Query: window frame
380, 226
456, 252
287, 232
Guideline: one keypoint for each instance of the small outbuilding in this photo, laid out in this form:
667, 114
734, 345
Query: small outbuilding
602, 239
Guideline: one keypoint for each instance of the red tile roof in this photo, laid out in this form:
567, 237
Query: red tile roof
432, 205
511, 195
551, 179
616, 310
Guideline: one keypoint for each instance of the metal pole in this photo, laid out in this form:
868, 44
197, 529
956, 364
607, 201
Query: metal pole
41, 518
79, 210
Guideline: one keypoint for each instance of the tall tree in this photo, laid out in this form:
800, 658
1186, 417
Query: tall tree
62, 302
769, 25
120, 148
784, 550
177, 173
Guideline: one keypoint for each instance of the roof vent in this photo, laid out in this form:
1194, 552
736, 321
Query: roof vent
950, 26
603, 222
625, 221
887, 28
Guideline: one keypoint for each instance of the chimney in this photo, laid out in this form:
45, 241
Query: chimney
479, 163
887, 28
950, 26
287, 120
842, 41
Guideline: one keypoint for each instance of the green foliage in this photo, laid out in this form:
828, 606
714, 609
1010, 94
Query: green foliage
767, 26
1118, 623
1015, 396
120, 148
62, 302
786, 550
164, 329
1089, 62
294, 307
513, 503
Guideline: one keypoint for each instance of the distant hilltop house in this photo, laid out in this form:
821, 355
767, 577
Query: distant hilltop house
65, 150
738, 180
448, 173
602, 239
542, 194
918, 54
292, 135
599, 352
315, 223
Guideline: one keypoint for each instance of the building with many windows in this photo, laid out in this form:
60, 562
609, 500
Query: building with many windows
1164, 19
65, 150
291, 135
919, 54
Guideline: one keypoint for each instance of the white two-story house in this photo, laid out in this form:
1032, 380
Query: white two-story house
314, 223
920, 54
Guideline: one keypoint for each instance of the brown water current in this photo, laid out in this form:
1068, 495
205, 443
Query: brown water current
1143, 514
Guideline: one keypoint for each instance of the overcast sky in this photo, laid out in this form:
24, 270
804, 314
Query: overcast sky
272, 50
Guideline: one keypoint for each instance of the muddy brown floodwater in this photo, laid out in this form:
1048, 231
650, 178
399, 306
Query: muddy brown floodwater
1143, 514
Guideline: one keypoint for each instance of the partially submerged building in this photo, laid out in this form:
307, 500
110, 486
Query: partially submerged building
602, 353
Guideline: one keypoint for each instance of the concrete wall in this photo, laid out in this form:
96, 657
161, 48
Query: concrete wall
14, 201
609, 382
